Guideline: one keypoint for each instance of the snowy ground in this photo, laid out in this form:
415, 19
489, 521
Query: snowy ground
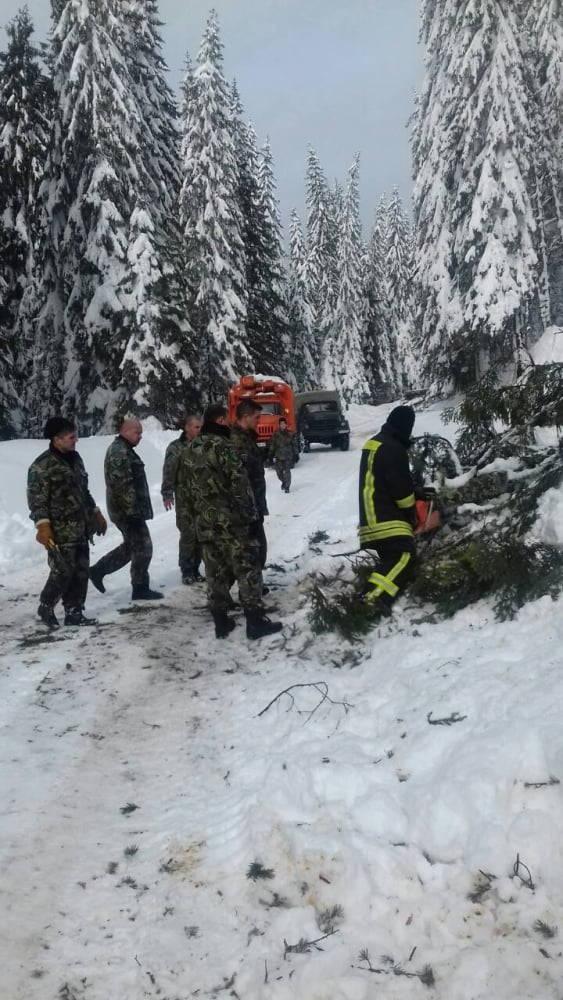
139, 782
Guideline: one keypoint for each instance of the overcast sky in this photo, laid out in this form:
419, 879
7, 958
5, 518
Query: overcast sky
337, 74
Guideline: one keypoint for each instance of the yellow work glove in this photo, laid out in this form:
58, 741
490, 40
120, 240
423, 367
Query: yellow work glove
45, 534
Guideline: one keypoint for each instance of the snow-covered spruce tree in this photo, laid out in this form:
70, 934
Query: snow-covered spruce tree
157, 373
24, 101
494, 244
211, 221
433, 170
301, 362
89, 192
274, 345
399, 276
542, 44
474, 214
379, 347
322, 263
342, 359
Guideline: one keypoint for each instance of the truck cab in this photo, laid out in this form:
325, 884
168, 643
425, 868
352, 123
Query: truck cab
274, 396
320, 420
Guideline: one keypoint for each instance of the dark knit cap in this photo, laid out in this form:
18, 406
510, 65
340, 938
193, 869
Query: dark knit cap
56, 426
402, 420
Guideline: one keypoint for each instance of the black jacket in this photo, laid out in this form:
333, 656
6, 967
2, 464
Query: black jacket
387, 501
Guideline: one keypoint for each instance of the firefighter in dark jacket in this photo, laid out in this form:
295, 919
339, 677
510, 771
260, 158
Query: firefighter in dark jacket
387, 508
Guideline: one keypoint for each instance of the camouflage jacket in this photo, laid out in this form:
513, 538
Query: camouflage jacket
171, 465
246, 444
213, 486
127, 490
57, 491
281, 446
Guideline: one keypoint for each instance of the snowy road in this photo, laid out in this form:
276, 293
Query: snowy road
139, 783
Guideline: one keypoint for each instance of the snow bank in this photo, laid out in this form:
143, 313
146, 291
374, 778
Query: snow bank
549, 348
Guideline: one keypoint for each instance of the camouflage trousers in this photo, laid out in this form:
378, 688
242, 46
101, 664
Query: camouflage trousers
136, 548
68, 578
395, 568
229, 558
283, 471
189, 549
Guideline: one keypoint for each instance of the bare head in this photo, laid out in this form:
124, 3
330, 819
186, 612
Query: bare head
248, 414
132, 430
192, 426
283, 424
216, 413
61, 433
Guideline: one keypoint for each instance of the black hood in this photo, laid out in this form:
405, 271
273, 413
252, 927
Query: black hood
400, 423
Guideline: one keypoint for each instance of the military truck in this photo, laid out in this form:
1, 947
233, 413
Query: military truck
320, 420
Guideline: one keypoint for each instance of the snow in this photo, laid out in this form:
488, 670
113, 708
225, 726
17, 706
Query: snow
549, 348
358, 803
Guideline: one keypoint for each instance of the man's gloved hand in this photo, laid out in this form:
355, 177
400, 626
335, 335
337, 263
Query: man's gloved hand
168, 502
45, 534
100, 524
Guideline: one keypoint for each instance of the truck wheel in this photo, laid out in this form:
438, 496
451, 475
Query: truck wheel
335, 444
345, 443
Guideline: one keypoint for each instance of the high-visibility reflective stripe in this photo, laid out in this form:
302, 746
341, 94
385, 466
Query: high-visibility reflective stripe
399, 566
406, 502
385, 529
385, 583
369, 483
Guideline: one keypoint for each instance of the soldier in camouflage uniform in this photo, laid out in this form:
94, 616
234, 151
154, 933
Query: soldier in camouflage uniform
66, 517
244, 438
282, 453
214, 487
129, 507
189, 550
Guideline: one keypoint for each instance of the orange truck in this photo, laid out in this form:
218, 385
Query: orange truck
274, 396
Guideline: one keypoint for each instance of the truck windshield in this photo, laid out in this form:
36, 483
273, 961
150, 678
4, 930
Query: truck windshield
327, 406
271, 408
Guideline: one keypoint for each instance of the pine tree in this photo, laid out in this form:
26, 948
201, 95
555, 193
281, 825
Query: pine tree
399, 275
542, 43
378, 343
89, 192
274, 346
157, 372
211, 221
24, 99
302, 364
472, 141
322, 248
342, 360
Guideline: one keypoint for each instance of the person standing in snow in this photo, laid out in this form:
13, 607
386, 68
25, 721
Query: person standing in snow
387, 508
66, 517
244, 438
129, 507
282, 453
215, 488
189, 556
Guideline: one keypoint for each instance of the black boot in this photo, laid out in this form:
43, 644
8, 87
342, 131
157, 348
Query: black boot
76, 616
97, 579
142, 592
259, 625
223, 624
47, 615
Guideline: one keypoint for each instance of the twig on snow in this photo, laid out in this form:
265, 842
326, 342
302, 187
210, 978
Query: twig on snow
320, 686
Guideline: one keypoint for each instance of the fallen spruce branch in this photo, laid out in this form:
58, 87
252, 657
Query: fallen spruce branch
320, 686
525, 879
426, 974
302, 947
542, 784
448, 721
